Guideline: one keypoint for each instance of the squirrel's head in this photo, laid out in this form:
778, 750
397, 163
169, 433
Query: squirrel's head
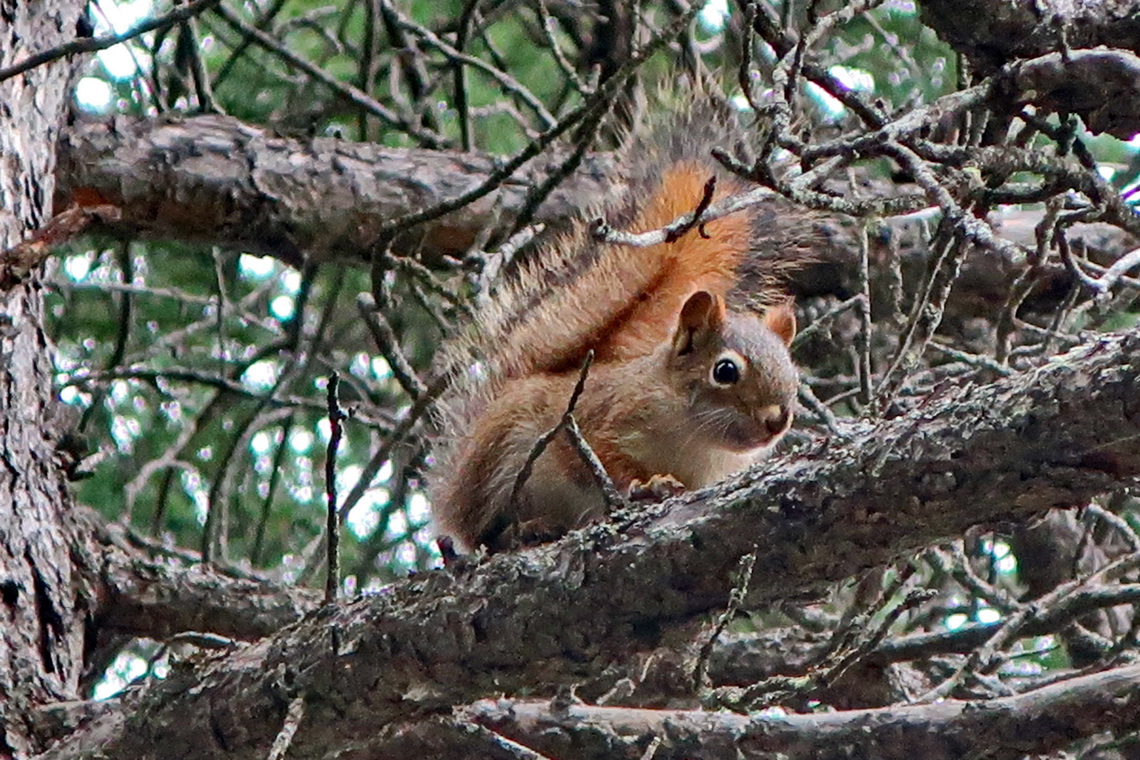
736, 372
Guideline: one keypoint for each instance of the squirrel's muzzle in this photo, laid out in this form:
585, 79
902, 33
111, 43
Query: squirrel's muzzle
775, 418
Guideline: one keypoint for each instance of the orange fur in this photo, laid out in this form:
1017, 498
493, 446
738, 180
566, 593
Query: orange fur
618, 300
691, 263
650, 405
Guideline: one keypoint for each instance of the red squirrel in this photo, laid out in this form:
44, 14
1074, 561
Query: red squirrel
690, 382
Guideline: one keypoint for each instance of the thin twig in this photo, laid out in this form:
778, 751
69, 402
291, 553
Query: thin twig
601, 100
349, 92
976, 360
293, 717
505, 80
512, 748
1109, 278
93, 44
863, 344
332, 524
610, 493
985, 658
188, 41
389, 346
545, 439
548, 23
536, 195
700, 677
462, 106
398, 435
824, 320
1119, 523
819, 409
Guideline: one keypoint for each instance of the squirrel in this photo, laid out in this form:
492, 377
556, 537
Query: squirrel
691, 377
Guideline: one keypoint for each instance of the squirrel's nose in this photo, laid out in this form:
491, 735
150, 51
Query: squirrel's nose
776, 418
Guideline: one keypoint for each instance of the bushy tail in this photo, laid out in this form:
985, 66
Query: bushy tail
575, 293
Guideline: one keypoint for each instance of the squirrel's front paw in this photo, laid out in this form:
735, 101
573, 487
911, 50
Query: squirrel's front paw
657, 488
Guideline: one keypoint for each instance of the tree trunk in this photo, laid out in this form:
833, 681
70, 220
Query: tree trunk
43, 610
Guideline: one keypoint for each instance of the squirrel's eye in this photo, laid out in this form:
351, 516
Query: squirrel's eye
725, 372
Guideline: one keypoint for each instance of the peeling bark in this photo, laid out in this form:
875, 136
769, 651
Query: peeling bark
560, 613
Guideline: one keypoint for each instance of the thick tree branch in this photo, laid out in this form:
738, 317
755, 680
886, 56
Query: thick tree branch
1038, 721
216, 179
1102, 86
213, 178
992, 33
157, 595
558, 613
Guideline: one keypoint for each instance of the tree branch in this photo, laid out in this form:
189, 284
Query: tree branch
1035, 722
990, 34
556, 614
141, 594
215, 179
91, 44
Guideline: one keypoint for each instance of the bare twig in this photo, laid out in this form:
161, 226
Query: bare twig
545, 439
1108, 278
332, 524
389, 346
985, 658
600, 100
293, 717
92, 44
505, 80
349, 92
863, 344
610, 493
735, 600
549, 23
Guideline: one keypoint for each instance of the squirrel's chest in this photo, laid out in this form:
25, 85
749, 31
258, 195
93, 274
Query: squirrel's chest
694, 464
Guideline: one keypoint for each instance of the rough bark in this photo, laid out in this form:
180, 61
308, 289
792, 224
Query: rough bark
149, 593
559, 613
554, 615
1101, 86
991, 32
1038, 721
218, 180
41, 609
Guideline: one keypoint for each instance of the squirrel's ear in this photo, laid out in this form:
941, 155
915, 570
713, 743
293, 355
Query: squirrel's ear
702, 315
781, 319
